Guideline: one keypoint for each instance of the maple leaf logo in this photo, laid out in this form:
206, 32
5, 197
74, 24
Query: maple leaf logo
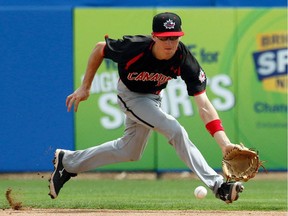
202, 76
169, 24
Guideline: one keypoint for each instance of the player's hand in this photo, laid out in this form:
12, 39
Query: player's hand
76, 97
224, 142
228, 147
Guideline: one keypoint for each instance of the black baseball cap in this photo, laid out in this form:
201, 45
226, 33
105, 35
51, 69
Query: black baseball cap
167, 24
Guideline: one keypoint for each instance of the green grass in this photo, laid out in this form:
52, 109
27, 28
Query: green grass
260, 195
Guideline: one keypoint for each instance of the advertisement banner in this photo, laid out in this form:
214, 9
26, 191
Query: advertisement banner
262, 58
242, 71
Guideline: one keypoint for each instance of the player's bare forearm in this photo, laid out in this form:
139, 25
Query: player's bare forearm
208, 113
94, 63
223, 141
83, 92
206, 110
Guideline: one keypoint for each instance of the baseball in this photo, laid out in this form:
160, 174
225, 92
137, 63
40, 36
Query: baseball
200, 192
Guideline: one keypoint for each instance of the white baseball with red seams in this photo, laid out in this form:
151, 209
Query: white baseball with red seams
200, 192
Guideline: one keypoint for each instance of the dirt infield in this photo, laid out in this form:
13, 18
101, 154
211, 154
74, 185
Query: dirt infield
87, 212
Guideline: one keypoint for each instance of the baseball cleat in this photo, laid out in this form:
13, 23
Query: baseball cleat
59, 176
229, 191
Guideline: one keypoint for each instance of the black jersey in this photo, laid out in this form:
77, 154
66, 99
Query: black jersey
141, 72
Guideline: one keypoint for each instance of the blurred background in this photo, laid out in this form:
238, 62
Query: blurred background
45, 45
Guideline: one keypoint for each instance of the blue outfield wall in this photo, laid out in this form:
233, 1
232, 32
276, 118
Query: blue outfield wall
148, 3
36, 75
36, 43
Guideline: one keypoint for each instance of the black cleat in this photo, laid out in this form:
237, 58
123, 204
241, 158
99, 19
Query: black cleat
59, 176
228, 192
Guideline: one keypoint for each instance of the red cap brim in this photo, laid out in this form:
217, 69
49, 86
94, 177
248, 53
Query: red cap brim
168, 34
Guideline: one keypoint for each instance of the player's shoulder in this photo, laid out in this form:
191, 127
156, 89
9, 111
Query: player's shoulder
129, 42
121, 50
138, 38
183, 48
131, 39
185, 52
138, 42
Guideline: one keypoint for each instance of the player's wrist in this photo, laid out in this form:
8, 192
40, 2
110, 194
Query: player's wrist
214, 126
85, 86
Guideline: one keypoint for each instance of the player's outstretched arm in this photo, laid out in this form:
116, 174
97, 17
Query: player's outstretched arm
212, 122
83, 92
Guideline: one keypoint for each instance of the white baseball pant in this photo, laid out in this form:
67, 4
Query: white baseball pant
143, 114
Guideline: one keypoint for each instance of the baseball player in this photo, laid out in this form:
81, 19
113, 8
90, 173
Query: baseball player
145, 65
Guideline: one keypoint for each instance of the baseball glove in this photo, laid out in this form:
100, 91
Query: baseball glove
241, 163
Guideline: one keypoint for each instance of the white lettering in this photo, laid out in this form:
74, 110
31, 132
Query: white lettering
282, 57
175, 99
104, 82
267, 62
217, 85
108, 105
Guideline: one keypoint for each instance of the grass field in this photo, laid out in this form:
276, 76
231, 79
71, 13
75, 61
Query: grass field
164, 194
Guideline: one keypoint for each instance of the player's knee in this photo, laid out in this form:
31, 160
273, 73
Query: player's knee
127, 156
135, 157
133, 154
177, 134
176, 130
128, 149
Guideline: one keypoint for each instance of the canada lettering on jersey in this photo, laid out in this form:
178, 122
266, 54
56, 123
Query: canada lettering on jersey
141, 72
146, 76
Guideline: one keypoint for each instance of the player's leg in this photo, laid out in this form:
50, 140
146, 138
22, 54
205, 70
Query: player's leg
178, 138
146, 110
193, 158
129, 147
67, 163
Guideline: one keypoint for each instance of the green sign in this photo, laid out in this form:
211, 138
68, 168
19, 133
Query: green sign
262, 83
243, 54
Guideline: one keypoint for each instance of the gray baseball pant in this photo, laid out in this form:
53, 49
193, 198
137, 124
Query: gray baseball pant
143, 114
